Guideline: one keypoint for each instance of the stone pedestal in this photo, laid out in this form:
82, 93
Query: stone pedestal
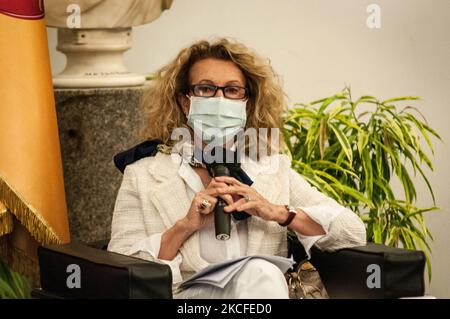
94, 125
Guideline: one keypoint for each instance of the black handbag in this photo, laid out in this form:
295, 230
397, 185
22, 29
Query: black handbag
304, 282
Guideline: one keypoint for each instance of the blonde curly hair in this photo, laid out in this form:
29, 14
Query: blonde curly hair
266, 99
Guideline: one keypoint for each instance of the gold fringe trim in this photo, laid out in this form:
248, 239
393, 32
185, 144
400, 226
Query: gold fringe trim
6, 220
3, 208
18, 261
27, 215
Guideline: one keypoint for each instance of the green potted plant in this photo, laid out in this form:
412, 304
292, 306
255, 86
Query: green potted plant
352, 150
12, 284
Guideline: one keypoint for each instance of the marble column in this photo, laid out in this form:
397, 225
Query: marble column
94, 125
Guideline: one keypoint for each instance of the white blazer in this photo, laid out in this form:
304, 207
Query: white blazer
152, 197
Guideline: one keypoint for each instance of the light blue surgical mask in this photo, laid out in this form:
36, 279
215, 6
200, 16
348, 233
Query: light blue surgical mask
216, 119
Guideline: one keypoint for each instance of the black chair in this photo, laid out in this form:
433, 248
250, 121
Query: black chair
346, 273
89, 271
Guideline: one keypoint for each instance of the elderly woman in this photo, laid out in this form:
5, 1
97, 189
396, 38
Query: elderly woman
164, 207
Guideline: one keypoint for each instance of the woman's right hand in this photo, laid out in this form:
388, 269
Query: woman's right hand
173, 238
197, 217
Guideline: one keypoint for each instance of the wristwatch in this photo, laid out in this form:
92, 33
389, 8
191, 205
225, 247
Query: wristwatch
292, 212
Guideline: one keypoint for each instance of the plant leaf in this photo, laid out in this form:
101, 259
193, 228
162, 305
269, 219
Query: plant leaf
343, 141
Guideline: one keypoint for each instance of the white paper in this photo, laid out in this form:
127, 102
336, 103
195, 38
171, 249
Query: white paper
220, 274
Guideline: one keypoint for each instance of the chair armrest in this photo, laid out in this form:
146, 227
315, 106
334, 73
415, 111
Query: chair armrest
97, 273
99, 244
352, 272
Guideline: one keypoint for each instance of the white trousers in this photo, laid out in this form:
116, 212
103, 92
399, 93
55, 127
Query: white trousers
258, 279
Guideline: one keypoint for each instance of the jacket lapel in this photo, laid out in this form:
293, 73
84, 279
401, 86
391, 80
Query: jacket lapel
172, 202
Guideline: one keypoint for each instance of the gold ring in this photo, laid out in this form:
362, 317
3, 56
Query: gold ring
204, 204
247, 198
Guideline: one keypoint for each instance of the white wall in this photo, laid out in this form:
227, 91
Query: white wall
319, 47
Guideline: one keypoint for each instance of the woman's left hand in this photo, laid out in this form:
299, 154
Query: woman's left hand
251, 202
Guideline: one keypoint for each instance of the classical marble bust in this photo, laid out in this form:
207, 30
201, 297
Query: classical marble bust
105, 13
94, 34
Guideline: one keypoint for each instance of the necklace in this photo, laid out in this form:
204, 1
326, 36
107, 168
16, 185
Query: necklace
195, 163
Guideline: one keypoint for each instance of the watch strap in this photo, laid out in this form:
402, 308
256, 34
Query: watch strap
291, 216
